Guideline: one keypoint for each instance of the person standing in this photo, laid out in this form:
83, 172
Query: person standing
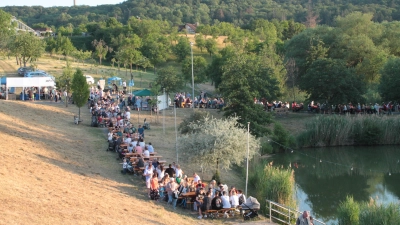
148, 173
303, 219
171, 187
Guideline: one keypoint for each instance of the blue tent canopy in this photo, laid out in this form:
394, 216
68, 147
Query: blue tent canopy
111, 79
3, 80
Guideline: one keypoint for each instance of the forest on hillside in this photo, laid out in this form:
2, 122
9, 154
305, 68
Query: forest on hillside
240, 13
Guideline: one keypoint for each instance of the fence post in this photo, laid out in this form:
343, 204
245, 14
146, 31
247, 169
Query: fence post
270, 212
289, 217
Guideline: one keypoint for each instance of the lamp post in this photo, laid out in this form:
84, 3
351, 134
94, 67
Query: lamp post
247, 166
191, 52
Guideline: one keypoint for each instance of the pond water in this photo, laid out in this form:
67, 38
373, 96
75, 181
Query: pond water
325, 176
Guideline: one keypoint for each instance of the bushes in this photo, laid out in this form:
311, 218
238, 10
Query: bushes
353, 213
350, 130
281, 136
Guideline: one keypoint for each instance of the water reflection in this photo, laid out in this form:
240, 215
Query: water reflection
325, 176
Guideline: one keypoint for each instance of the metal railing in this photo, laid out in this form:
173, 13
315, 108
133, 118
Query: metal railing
288, 215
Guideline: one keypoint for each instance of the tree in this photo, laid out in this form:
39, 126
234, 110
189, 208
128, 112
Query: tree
156, 49
244, 78
26, 46
390, 80
211, 46
6, 29
101, 49
167, 78
65, 80
200, 42
199, 68
64, 46
215, 141
329, 80
182, 49
80, 90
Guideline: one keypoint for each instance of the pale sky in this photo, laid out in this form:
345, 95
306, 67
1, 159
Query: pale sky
50, 3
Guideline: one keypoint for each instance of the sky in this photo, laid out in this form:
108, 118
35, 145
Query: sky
50, 3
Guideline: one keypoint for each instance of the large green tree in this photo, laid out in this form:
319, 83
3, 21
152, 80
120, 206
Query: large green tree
244, 78
169, 79
181, 49
199, 69
6, 29
390, 80
25, 46
80, 90
329, 80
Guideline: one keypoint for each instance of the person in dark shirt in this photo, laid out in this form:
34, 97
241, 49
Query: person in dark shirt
205, 205
170, 171
216, 202
139, 164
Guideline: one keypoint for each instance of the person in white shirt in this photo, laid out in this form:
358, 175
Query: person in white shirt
234, 199
130, 147
148, 173
150, 147
146, 154
128, 140
196, 178
178, 171
127, 115
225, 200
110, 136
142, 144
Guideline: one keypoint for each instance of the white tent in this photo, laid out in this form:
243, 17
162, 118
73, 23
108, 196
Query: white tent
29, 82
163, 102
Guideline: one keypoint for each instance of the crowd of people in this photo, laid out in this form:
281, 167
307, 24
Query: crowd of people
183, 100
167, 184
384, 108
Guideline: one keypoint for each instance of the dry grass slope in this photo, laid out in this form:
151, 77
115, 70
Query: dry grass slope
54, 172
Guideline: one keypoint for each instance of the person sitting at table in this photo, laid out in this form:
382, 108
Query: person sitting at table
148, 173
138, 149
170, 171
134, 142
199, 198
150, 147
225, 200
205, 205
155, 163
124, 167
216, 203
127, 139
234, 199
130, 147
196, 178
192, 186
141, 142
146, 154
140, 163
200, 184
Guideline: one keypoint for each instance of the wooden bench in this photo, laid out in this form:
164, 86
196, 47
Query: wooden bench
281, 111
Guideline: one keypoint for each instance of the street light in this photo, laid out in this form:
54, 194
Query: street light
191, 52
247, 166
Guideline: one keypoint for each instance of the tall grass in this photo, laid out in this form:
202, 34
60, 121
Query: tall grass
349, 212
273, 183
371, 213
350, 130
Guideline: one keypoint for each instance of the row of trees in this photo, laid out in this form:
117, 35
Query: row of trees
205, 11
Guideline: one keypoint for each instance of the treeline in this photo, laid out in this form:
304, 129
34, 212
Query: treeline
210, 12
